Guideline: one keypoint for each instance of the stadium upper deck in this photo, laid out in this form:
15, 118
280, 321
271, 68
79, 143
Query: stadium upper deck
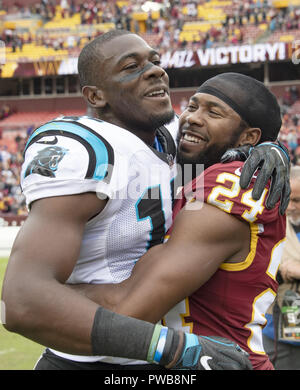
35, 30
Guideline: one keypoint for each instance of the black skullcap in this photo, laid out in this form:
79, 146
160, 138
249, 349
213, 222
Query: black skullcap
248, 97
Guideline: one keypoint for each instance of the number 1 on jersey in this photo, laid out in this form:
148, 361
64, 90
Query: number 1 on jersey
150, 206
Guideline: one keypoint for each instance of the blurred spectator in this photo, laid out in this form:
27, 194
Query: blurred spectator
296, 157
64, 8
292, 140
11, 197
286, 353
290, 130
5, 111
5, 156
294, 92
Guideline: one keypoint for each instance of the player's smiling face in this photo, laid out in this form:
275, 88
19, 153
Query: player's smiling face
207, 128
135, 87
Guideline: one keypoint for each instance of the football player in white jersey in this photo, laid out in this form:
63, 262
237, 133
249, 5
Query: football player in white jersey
99, 193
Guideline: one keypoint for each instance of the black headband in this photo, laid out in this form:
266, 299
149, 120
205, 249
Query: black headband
249, 98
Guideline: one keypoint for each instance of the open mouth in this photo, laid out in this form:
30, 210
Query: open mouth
192, 139
158, 93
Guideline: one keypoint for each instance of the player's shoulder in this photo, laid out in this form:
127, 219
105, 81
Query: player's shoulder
71, 146
232, 168
220, 173
222, 189
210, 176
83, 129
70, 155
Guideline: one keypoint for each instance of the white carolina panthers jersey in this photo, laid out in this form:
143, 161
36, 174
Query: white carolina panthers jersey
76, 155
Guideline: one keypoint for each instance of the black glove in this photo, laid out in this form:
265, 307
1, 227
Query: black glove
273, 161
211, 353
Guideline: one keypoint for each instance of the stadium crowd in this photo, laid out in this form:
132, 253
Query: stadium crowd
167, 27
290, 131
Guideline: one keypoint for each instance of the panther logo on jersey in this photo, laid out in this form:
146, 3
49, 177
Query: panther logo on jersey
46, 161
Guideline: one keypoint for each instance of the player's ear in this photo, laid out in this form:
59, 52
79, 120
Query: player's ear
250, 136
94, 96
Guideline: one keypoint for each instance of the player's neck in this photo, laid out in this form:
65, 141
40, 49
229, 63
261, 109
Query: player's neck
147, 136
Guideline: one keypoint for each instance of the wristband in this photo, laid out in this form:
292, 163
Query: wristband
117, 335
160, 345
153, 343
157, 344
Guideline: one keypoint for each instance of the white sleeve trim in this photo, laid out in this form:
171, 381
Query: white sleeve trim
49, 189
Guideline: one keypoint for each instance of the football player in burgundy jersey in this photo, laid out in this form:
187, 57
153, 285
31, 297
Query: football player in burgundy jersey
216, 272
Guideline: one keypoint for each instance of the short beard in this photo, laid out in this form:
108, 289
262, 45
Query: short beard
156, 121
212, 155
207, 158
150, 123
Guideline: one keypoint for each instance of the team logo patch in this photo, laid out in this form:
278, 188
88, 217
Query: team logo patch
46, 161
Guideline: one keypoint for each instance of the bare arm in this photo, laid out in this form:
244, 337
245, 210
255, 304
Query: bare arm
201, 240
38, 304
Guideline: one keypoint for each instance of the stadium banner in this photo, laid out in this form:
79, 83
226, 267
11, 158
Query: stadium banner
260, 52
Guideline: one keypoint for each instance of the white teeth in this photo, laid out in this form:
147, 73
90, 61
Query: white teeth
155, 93
191, 138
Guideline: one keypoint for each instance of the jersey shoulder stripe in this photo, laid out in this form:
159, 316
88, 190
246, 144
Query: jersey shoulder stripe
101, 153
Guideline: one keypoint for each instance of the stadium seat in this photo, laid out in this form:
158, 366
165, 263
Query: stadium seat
59, 22
26, 119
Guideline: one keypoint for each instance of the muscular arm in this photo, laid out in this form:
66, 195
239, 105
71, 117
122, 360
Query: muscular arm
200, 241
38, 304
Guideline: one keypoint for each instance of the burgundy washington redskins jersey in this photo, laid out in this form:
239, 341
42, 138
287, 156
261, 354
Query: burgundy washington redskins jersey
234, 301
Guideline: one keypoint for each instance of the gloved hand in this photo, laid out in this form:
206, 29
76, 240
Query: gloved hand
237, 154
211, 353
272, 159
